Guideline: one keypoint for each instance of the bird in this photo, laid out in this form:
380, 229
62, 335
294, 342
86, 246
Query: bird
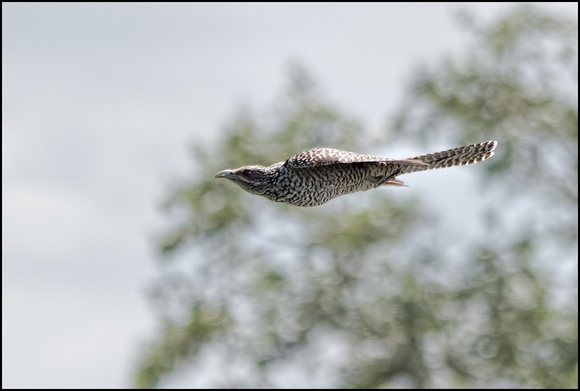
315, 176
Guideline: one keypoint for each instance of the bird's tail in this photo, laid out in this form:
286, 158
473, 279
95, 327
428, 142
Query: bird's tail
452, 157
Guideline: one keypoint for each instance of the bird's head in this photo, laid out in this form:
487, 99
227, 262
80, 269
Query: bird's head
254, 179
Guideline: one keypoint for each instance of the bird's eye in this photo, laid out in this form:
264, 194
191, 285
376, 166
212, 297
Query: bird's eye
248, 174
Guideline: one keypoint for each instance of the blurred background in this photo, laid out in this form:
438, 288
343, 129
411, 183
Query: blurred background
125, 264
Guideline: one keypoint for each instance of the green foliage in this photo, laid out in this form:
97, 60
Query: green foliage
363, 292
180, 342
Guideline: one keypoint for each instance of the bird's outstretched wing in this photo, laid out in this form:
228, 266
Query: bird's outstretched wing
327, 156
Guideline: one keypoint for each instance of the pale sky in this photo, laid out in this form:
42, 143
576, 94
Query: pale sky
100, 103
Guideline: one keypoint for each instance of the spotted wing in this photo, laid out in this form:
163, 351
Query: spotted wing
327, 156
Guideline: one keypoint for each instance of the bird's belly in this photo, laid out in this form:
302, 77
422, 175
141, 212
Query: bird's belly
315, 187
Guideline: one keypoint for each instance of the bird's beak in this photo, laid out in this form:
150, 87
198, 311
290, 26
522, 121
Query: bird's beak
224, 174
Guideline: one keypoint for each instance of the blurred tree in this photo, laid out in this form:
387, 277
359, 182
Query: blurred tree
364, 291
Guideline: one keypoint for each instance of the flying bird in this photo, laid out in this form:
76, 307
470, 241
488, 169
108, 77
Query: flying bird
313, 177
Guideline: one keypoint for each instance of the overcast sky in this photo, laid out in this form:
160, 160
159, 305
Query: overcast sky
99, 105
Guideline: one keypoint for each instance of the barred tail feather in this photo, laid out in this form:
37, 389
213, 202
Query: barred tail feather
461, 156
